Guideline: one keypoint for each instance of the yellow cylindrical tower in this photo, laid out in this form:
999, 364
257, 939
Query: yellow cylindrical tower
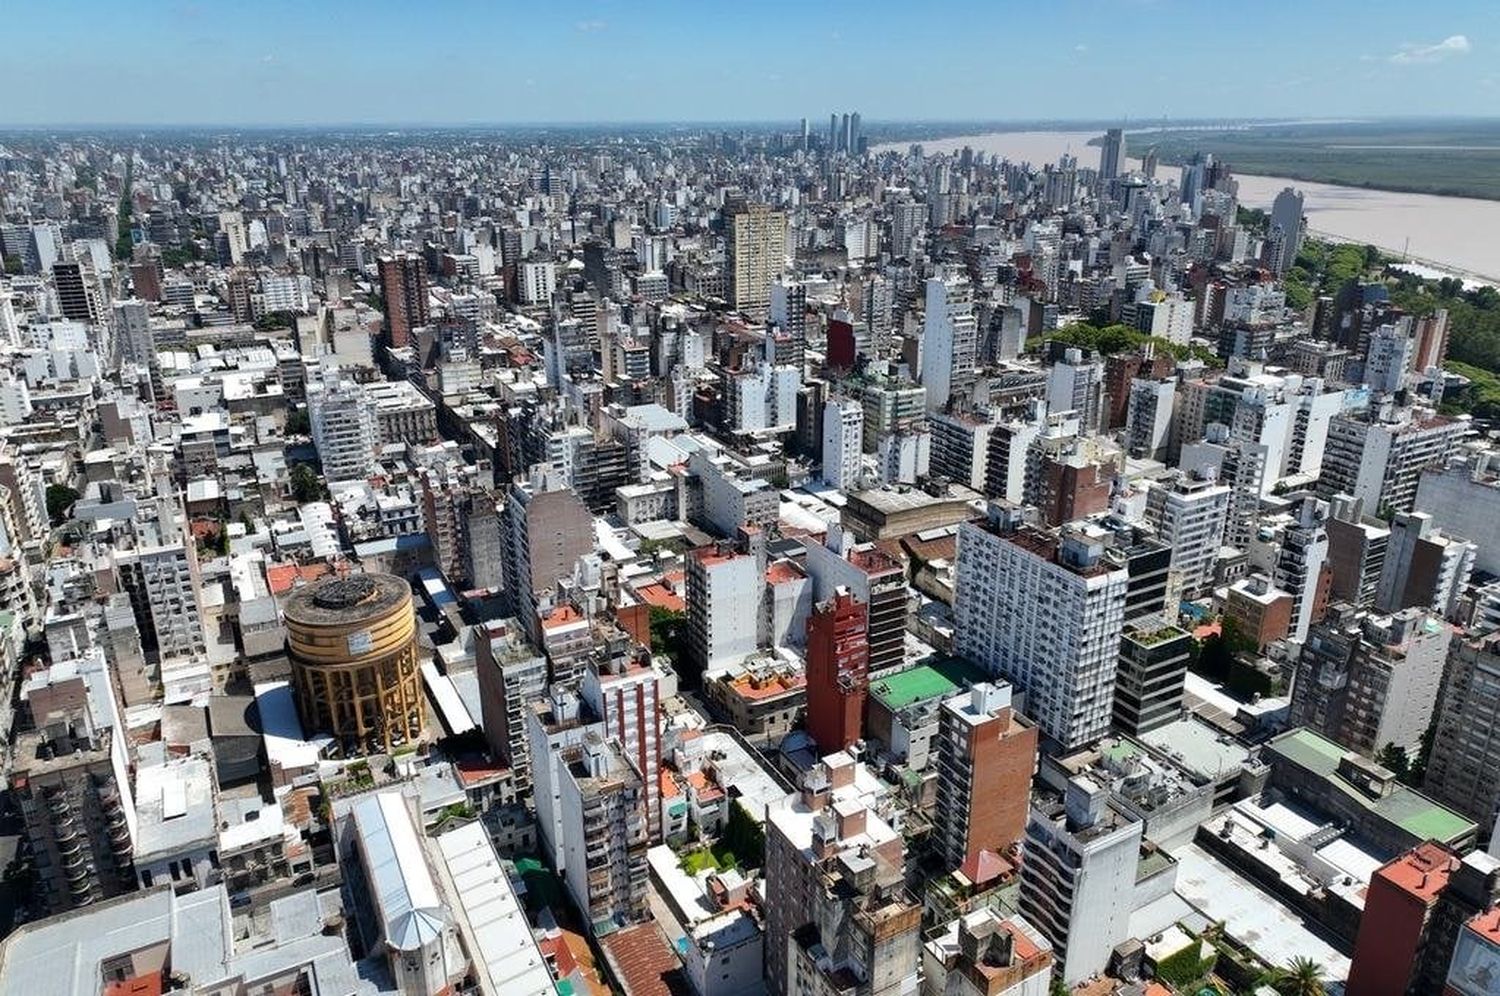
353, 648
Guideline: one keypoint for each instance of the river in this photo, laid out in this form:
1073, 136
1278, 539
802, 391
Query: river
1461, 234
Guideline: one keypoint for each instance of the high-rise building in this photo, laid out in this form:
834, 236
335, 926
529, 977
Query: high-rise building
76, 296
158, 569
547, 529
875, 578
1112, 154
756, 256
1370, 680
342, 420
1379, 459
1286, 225
986, 755
1463, 499
1300, 559
836, 905
1078, 876
1423, 567
843, 431
949, 339
1043, 610
1357, 548
1393, 929
724, 590
1475, 967
625, 693
838, 671
1150, 677
605, 835
1463, 770
511, 676
1188, 513
1473, 890
1075, 383
70, 781
403, 284
352, 643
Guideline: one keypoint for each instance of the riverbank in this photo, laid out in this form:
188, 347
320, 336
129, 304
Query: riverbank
1456, 234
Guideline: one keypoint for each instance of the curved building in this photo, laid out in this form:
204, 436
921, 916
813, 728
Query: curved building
353, 647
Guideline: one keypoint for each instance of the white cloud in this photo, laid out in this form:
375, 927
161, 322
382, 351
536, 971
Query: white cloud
593, 25
1445, 49
1080, 47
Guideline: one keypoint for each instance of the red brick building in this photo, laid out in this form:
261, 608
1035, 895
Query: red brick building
838, 671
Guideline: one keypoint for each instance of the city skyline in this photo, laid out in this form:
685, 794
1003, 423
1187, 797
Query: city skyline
605, 63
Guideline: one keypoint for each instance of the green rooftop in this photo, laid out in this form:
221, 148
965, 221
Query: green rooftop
936, 679
1406, 808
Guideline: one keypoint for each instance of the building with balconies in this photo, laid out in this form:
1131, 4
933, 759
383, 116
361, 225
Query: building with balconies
70, 780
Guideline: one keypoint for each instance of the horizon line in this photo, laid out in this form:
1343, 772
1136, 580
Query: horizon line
1140, 123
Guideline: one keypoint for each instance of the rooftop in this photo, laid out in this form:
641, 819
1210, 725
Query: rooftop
1406, 808
936, 679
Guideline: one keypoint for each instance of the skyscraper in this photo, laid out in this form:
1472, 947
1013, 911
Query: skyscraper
1286, 221
1464, 769
757, 255
949, 339
403, 284
1111, 154
843, 428
1044, 611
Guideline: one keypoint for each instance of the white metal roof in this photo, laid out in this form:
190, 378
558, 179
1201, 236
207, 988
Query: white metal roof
411, 914
450, 704
498, 929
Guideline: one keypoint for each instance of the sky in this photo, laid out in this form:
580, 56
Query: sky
454, 62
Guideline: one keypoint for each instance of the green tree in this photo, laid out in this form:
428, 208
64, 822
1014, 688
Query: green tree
60, 498
1301, 977
1418, 773
13, 265
298, 423
743, 837
1393, 756
668, 632
306, 484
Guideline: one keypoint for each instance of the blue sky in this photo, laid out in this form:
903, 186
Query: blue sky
450, 61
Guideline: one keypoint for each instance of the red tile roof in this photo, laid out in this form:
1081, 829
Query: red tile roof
643, 963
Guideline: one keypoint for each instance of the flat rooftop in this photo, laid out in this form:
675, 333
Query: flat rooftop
1407, 809
937, 679
1251, 916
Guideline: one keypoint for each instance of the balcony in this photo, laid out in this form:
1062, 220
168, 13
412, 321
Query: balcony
71, 849
77, 874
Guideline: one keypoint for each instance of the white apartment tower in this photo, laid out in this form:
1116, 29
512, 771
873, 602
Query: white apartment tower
1189, 515
843, 430
343, 427
949, 337
1078, 877
1043, 611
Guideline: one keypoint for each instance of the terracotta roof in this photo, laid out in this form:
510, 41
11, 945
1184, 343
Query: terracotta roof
782, 572
984, 866
660, 595
476, 771
643, 963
